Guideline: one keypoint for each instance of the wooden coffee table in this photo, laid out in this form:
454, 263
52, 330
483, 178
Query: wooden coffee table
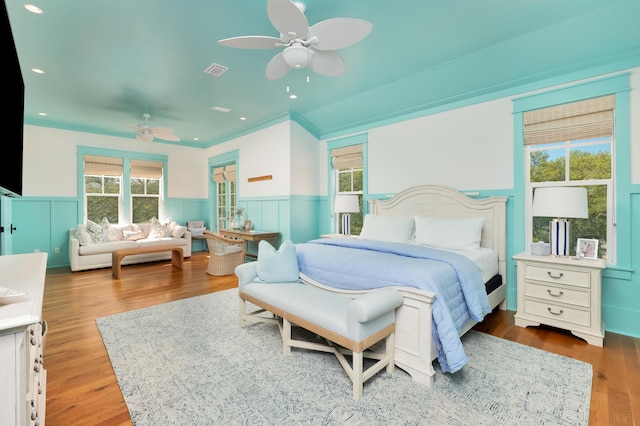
118, 255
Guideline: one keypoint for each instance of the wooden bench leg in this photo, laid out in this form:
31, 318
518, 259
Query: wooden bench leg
115, 265
176, 258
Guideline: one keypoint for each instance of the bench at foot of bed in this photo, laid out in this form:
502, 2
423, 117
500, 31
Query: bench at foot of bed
350, 326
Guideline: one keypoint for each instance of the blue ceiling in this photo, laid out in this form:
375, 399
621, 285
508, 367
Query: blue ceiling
107, 62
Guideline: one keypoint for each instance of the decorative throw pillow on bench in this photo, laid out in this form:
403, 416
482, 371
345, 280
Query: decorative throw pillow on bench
277, 266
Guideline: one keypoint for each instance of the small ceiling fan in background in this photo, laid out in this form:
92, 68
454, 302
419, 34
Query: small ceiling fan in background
304, 46
146, 133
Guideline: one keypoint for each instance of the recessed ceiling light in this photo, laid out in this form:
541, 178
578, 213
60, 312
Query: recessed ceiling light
33, 9
243, 118
196, 139
37, 70
293, 96
44, 114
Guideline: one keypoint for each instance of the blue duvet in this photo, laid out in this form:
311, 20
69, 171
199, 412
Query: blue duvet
356, 264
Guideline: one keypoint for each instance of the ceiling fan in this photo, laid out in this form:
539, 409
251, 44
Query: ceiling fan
146, 133
304, 46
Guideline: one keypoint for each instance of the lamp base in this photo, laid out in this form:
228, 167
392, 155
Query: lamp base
346, 224
559, 237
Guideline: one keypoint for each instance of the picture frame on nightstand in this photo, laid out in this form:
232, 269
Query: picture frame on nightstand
587, 248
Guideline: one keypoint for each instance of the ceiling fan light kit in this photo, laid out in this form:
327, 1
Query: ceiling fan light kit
304, 46
297, 56
144, 137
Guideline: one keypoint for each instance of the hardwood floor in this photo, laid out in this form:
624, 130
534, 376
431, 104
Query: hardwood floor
82, 388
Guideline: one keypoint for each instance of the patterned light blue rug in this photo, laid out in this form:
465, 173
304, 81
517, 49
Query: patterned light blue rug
189, 363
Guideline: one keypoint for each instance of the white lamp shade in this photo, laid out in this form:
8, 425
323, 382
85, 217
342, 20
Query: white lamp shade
346, 204
560, 202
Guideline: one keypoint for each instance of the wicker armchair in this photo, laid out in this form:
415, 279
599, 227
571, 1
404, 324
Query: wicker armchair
224, 253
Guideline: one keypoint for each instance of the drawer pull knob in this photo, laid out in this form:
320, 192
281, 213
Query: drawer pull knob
560, 293
555, 313
555, 276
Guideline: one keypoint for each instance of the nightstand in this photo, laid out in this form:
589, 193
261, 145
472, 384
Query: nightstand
562, 292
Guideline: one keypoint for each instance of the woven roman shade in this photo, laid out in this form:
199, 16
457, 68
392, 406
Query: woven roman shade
146, 169
224, 174
102, 166
346, 157
591, 118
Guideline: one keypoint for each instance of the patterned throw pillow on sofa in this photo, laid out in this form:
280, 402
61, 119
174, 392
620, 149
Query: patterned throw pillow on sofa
159, 229
101, 233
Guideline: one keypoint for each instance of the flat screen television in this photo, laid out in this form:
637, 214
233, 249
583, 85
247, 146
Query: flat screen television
13, 115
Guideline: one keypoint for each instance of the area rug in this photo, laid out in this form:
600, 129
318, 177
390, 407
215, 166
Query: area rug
189, 362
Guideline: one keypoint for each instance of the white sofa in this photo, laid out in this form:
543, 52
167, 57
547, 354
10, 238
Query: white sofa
85, 253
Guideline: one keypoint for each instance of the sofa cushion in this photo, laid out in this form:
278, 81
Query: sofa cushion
133, 235
151, 242
107, 247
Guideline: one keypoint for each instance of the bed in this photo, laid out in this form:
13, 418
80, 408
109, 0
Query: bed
415, 345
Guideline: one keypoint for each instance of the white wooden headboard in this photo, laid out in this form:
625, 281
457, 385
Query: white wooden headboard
441, 201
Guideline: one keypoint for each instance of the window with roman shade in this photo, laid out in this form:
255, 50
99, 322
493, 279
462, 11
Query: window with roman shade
225, 179
102, 187
571, 145
347, 162
224, 173
146, 189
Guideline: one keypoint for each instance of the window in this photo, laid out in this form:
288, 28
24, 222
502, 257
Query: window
102, 188
226, 201
111, 192
145, 183
347, 163
572, 145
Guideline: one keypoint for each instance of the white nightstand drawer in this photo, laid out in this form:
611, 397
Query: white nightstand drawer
559, 294
558, 275
558, 313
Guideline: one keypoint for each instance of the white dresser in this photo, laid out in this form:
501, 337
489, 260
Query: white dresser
22, 373
562, 292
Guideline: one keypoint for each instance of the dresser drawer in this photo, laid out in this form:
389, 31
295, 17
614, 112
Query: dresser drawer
559, 294
558, 313
558, 275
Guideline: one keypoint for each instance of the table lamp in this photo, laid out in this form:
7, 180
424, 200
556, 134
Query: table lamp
560, 202
346, 204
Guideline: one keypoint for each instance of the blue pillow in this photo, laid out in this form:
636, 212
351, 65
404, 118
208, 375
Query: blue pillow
279, 266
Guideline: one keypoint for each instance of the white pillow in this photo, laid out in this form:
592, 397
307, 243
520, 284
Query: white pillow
449, 233
83, 236
178, 231
133, 235
394, 229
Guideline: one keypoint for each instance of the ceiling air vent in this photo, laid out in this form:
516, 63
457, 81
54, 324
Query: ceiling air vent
216, 70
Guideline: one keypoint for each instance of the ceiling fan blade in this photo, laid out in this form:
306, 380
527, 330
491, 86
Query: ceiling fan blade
132, 126
327, 62
163, 133
277, 67
337, 33
287, 18
251, 42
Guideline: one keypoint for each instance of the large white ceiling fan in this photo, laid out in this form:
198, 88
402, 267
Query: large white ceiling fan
304, 46
146, 133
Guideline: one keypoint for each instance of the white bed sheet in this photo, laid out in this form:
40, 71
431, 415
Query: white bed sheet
486, 259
